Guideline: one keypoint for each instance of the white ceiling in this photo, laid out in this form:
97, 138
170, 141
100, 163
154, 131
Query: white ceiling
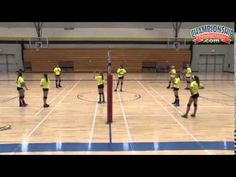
185, 25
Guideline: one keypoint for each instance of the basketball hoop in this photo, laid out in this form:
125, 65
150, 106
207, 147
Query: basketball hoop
38, 43
176, 46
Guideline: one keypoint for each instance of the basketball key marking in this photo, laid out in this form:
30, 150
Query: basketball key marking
133, 97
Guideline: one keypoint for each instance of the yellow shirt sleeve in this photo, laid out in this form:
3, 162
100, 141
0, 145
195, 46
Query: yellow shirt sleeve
41, 82
21, 80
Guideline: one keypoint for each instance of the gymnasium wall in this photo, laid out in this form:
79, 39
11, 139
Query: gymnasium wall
14, 49
197, 50
227, 50
134, 45
94, 59
102, 30
104, 33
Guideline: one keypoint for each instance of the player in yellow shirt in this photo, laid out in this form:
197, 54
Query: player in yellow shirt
172, 76
20, 87
188, 75
121, 73
194, 86
45, 84
176, 88
57, 71
100, 83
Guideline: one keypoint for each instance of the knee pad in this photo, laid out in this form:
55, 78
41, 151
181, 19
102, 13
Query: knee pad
176, 96
45, 97
188, 82
21, 97
188, 105
59, 80
195, 105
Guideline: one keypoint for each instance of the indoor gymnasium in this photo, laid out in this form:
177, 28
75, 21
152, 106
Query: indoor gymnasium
116, 88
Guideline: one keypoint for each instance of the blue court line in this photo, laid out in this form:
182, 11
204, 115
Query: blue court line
136, 146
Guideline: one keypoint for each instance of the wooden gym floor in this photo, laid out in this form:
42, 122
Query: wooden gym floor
145, 121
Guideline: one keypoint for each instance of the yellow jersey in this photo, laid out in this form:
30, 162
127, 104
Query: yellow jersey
99, 80
121, 72
177, 83
45, 84
194, 87
57, 71
188, 72
20, 82
172, 73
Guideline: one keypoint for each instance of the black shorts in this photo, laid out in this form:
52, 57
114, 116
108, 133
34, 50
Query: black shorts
195, 96
188, 79
45, 89
100, 86
19, 88
121, 78
175, 89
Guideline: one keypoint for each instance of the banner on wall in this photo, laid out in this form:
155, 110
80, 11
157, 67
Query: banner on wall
212, 34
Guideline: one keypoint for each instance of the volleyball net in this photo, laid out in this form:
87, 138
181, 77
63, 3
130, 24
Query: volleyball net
109, 87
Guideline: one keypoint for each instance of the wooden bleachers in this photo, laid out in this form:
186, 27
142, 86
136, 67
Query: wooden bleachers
149, 66
91, 59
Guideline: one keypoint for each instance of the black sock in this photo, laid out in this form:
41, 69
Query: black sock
169, 83
100, 97
177, 101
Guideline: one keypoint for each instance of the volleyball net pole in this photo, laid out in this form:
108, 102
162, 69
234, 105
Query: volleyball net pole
109, 87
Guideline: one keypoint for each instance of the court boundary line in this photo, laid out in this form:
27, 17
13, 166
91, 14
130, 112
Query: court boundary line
92, 128
125, 120
125, 117
130, 143
173, 117
178, 110
52, 147
42, 108
25, 139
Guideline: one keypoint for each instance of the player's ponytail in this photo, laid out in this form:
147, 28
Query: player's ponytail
196, 78
19, 75
46, 77
101, 74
